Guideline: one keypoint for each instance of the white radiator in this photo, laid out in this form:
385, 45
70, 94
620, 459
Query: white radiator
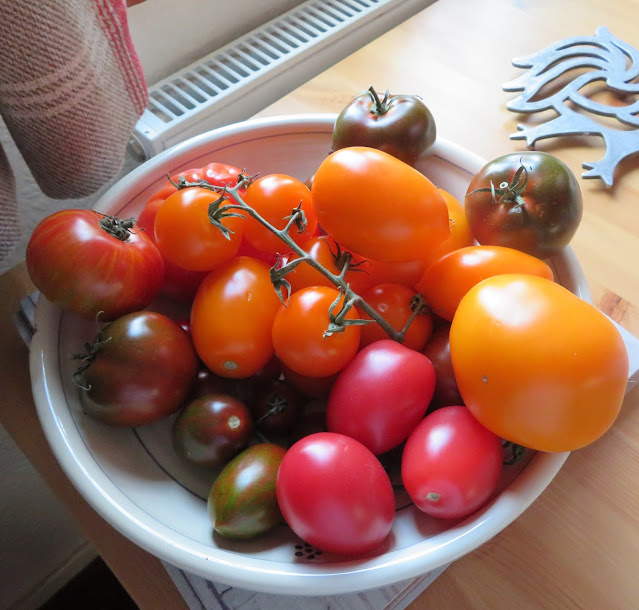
255, 70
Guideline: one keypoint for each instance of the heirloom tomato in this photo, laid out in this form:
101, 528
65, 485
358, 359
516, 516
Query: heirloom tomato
335, 494
377, 205
299, 333
381, 395
395, 303
451, 463
401, 125
139, 369
274, 197
89, 263
528, 200
277, 408
448, 279
242, 503
231, 318
537, 365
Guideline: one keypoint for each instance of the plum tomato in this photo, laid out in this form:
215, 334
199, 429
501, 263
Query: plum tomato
232, 316
88, 263
212, 429
381, 395
438, 352
242, 503
536, 364
395, 303
335, 494
451, 463
528, 200
299, 335
139, 369
378, 206
401, 125
448, 279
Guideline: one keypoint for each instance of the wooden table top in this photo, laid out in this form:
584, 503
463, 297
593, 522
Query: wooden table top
577, 546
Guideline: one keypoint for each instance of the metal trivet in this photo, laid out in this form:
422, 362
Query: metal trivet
610, 62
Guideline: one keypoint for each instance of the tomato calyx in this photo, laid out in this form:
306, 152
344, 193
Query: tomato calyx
513, 453
116, 227
508, 192
381, 107
87, 359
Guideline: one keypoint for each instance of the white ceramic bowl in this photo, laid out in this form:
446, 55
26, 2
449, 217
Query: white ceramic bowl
133, 479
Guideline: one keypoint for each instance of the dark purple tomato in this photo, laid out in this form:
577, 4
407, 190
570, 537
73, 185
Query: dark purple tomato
212, 429
438, 352
277, 408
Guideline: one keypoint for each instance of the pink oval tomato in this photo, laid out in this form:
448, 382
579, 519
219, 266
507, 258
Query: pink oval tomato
451, 463
335, 494
381, 395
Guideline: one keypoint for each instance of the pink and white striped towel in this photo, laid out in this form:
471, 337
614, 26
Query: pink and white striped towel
71, 92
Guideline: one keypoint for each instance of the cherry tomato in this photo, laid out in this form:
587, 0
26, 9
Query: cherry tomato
527, 200
451, 464
381, 395
140, 370
378, 206
299, 334
407, 273
231, 318
277, 408
395, 303
185, 235
437, 350
537, 365
333, 258
448, 279
313, 387
212, 429
274, 198
88, 263
335, 494
401, 125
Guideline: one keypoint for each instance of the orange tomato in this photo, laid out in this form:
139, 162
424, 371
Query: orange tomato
448, 279
393, 302
378, 206
535, 364
232, 316
298, 334
407, 273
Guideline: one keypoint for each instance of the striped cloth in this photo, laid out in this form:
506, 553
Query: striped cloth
71, 92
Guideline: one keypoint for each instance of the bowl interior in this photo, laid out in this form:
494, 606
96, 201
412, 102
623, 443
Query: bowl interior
135, 481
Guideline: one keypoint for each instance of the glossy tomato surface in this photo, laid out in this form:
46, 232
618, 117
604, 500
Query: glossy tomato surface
448, 279
232, 316
141, 371
335, 494
528, 200
86, 263
437, 350
378, 206
381, 395
451, 463
537, 365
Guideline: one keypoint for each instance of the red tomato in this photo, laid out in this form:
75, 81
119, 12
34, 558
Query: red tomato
381, 395
451, 463
378, 206
180, 284
313, 387
88, 263
298, 334
437, 350
448, 279
274, 197
393, 302
184, 233
326, 251
232, 316
335, 494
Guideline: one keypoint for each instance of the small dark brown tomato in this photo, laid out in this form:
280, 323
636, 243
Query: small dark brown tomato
277, 408
438, 351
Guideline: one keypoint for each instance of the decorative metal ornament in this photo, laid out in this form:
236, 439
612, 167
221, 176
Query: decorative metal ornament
610, 63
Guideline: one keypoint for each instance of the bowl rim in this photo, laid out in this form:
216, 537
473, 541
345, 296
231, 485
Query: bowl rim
255, 574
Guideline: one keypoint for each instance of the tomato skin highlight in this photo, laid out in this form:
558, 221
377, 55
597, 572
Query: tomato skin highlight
378, 206
451, 463
81, 268
537, 365
232, 316
335, 494
381, 395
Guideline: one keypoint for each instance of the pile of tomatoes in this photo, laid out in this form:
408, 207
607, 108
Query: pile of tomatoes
297, 394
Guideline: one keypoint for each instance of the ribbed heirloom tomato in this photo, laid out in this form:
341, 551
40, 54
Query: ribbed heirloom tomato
535, 364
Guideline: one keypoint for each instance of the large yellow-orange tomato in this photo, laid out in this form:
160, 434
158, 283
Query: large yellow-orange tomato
377, 205
535, 364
